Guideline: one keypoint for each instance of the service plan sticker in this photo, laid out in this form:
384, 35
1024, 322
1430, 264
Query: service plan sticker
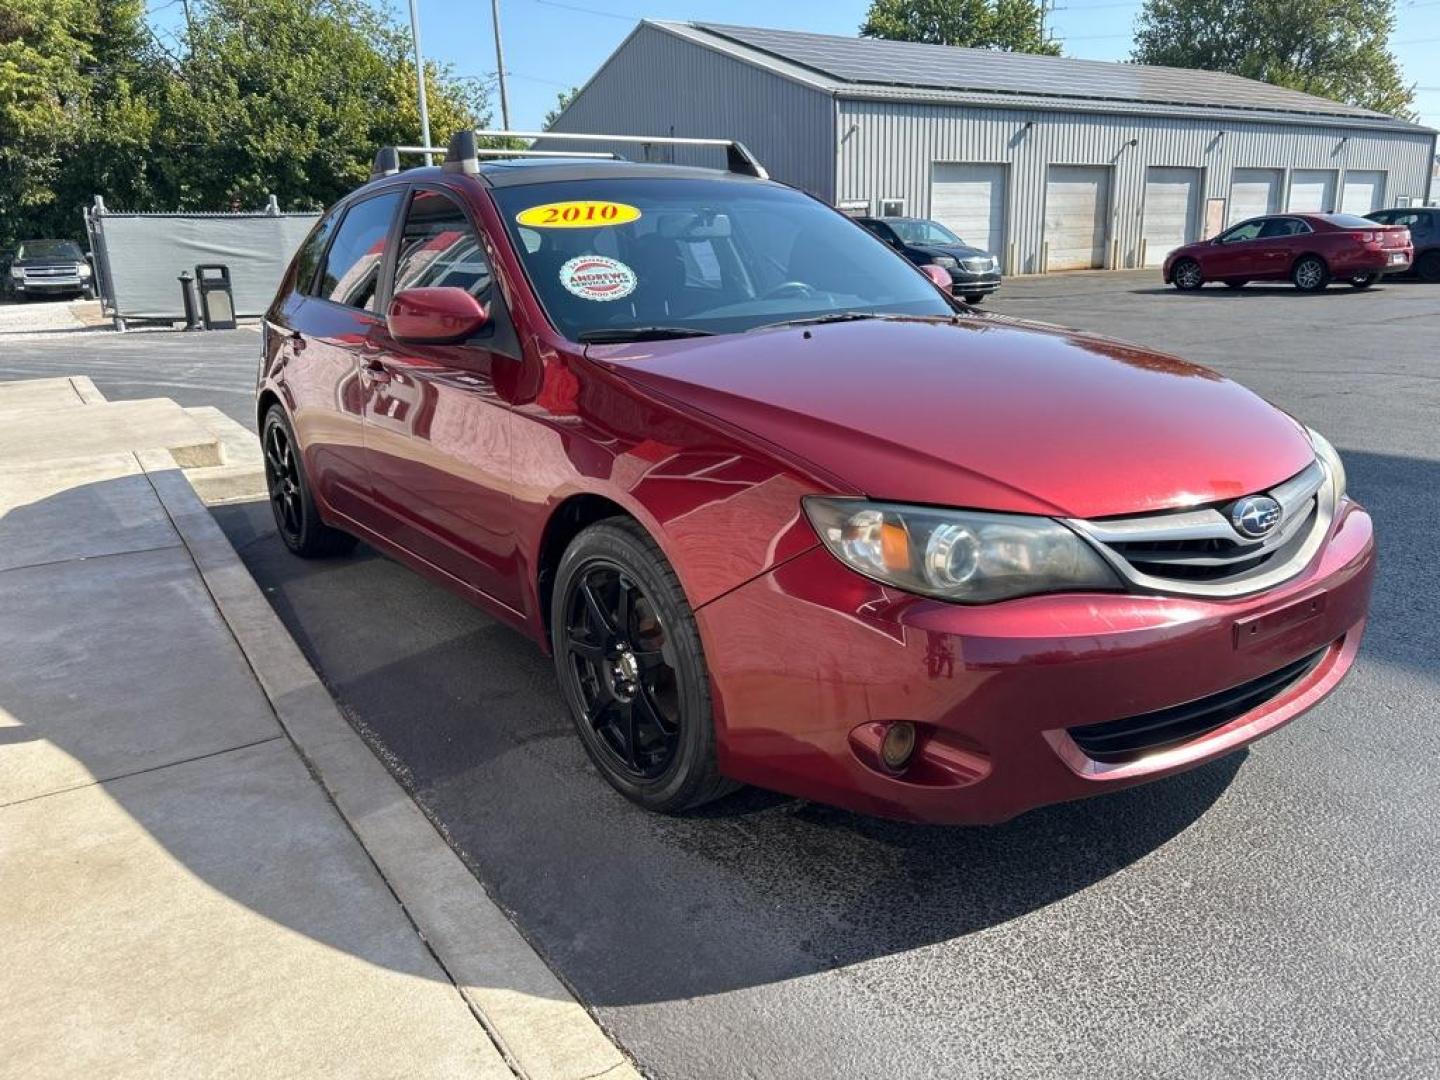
579, 214
595, 277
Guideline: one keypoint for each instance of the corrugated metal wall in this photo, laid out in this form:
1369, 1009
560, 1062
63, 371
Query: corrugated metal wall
887, 148
659, 84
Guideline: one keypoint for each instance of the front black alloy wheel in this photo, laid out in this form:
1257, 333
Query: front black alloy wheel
1364, 281
628, 656
296, 518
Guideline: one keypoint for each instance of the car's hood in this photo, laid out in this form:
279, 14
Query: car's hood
987, 412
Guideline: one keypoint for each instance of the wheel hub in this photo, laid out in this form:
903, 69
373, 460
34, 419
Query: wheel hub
625, 673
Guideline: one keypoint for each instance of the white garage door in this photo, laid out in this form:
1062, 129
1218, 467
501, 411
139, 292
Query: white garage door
1077, 206
970, 201
1253, 192
1312, 191
1172, 199
1364, 191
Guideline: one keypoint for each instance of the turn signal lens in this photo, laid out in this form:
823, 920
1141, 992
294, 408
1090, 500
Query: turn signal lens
898, 745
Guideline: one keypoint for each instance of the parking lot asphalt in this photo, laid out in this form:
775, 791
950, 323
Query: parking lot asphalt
1271, 915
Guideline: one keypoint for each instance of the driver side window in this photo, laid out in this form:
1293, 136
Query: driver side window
1247, 231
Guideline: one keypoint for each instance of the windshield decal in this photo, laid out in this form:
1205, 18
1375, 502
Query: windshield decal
595, 277
578, 214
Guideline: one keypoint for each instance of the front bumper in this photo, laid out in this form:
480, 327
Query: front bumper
810, 660
49, 285
964, 281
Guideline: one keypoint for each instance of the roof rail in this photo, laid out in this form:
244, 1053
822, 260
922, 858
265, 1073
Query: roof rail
462, 155
387, 158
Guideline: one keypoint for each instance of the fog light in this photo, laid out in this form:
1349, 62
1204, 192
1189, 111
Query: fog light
898, 745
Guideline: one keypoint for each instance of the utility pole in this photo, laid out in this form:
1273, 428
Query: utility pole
420, 78
500, 66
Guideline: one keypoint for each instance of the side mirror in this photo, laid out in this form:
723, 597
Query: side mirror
939, 275
435, 316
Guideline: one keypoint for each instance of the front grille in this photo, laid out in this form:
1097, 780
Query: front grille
978, 265
1199, 551
51, 271
1120, 741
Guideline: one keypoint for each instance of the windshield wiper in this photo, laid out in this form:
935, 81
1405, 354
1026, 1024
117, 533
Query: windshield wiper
614, 334
815, 320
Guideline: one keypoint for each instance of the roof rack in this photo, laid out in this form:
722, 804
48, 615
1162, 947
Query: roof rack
463, 154
738, 159
387, 158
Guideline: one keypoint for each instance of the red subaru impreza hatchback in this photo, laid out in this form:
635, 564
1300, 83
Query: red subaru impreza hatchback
785, 514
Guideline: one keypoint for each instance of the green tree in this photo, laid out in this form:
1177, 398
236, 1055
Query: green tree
292, 97
1005, 25
285, 96
1334, 48
562, 102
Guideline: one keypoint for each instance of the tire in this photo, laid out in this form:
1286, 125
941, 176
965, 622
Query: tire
974, 297
1310, 274
1237, 282
296, 518
632, 670
1187, 276
1427, 267
1363, 281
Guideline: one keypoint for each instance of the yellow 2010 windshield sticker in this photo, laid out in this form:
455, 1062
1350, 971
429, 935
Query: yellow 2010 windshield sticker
580, 214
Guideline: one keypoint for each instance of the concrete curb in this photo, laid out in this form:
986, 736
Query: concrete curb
543, 1031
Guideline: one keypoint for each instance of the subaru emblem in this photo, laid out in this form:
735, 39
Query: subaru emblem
1255, 516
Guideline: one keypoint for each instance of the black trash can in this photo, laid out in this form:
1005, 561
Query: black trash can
217, 300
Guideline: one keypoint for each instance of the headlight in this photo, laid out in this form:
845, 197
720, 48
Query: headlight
946, 261
1331, 457
84, 270
964, 556
17, 273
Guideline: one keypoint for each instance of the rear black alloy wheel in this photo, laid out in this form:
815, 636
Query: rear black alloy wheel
628, 656
1187, 275
1364, 281
296, 519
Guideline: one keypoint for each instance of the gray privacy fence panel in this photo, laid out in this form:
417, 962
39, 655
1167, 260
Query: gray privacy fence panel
144, 254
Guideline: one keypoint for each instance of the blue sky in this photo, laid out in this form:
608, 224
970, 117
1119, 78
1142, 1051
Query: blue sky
551, 45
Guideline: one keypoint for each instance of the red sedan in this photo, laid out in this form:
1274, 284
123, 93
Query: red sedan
1311, 250
782, 511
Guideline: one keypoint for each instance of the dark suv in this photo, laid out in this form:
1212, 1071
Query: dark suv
1424, 225
974, 272
50, 268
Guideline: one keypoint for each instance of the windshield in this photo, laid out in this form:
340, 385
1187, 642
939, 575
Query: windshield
704, 256
920, 231
50, 249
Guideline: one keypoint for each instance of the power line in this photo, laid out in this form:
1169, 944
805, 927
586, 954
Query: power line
587, 10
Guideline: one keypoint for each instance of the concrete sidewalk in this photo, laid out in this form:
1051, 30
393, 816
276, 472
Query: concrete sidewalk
203, 870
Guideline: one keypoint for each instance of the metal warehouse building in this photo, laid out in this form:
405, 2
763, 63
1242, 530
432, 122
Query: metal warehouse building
1051, 163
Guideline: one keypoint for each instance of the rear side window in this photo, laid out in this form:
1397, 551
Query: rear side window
439, 248
352, 265
1283, 227
310, 252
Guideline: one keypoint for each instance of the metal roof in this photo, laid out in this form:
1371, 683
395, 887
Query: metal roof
865, 65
